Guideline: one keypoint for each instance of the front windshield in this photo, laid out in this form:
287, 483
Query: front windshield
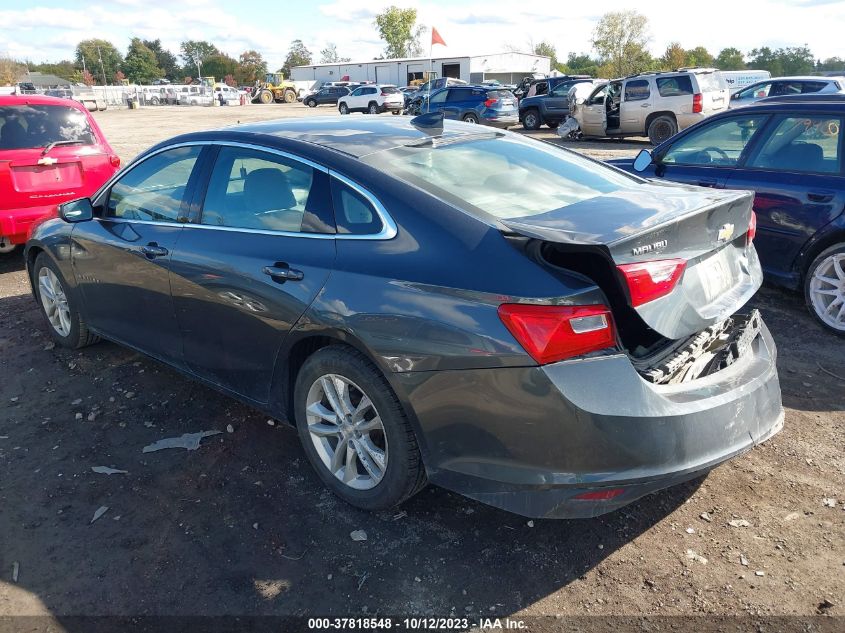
502, 177
31, 126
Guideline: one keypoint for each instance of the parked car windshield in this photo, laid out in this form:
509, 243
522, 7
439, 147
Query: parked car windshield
500, 177
30, 126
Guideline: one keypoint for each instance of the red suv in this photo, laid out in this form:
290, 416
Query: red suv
51, 151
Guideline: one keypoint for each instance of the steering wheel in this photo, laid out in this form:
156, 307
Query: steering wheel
722, 154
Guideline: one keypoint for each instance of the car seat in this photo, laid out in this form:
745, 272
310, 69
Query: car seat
799, 156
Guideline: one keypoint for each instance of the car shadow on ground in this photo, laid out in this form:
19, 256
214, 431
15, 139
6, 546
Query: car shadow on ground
240, 526
11, 262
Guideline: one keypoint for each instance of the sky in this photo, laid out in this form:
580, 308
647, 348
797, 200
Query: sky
48, 30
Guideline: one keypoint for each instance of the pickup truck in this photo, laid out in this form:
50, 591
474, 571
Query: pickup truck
551, 108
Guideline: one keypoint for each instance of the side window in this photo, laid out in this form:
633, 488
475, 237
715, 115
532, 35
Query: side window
440, 97
354, 214
250, 189
719, 144
812, 86
637, 90
371, 91
356, 92
561, 90
802, 144
154, 189
674, 86
597, 96
785, 88
457, 94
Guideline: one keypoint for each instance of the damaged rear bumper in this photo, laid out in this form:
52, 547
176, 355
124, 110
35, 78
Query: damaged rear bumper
531, 440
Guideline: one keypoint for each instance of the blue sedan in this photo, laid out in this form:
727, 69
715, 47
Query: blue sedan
791, 156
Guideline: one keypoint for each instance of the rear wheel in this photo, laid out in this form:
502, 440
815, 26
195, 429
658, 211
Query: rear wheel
66, 325
662, 128
470, 118
373, 108
354, 432
531, 120
343, 108
824, 289
289, 96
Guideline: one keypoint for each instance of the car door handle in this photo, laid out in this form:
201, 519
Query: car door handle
153, 250
283, 272
820, 196
646, 105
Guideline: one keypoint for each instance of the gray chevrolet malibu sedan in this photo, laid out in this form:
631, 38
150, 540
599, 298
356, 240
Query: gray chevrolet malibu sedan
428, 301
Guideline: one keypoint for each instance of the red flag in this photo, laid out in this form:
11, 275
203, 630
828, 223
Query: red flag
435, 37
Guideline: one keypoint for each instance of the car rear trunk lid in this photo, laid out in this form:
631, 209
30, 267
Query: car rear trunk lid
654, 222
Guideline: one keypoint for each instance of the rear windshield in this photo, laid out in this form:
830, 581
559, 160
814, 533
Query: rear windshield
30, 126
710, 82
502, 177
499, 94
389, 90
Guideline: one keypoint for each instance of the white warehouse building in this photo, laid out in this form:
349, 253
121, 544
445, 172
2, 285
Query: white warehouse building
507, 68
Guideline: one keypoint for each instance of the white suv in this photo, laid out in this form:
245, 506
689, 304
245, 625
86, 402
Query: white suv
372, 98
656, 104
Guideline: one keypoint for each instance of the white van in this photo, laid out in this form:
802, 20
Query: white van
192, 95
739, 79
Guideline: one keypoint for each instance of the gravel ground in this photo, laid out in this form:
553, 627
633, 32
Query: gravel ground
242, 527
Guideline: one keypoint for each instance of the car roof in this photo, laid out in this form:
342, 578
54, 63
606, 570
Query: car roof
37, 100
801, 78
820, 105
814, 97
353, 136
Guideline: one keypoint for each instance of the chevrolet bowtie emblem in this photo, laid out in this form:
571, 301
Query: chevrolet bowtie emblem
47, 160
726, 232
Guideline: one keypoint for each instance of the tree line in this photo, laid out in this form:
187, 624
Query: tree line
620, 47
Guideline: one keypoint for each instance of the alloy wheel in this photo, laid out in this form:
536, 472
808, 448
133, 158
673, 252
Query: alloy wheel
54, 301
347, 431
827, 291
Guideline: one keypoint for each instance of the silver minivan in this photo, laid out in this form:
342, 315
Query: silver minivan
655, 104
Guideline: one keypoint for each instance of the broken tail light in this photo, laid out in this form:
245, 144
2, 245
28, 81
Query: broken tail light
648, 281
752, 229
697, 103
554, 333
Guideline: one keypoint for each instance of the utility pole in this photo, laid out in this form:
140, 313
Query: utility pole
102, 68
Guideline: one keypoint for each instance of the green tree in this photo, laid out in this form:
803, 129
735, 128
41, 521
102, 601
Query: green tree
194, 53
64, 69
140, 65
620, 39
218, 66
581, 64
831, 64
251, 66
783, 62
674, 57
699, 56
396, 28
11, 71
164, 59
730, 59
91, 51
298, 55
547, 49
329, 55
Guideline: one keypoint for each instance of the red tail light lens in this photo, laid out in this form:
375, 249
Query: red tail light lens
490, 103
697, 103
752, 229
600, 495
114, 160
648, 281
553, 333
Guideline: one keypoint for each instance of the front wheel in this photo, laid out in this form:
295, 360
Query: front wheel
824, 289
343, 108
66, 325
661, 129
311, 103
354, 431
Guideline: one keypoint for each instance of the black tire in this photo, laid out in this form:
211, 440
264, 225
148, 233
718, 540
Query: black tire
404, 474
823, 259
470, 118
552, 124
662, 128
311, 103
78, 336
265, 97
532, 120
373, 108
343, 108
289, 96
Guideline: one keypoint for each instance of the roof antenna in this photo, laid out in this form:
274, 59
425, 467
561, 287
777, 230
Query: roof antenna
430, 123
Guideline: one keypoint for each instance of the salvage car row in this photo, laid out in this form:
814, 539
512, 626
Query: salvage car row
381, 332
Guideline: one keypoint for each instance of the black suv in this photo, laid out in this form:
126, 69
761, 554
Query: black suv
551, 108
328, 95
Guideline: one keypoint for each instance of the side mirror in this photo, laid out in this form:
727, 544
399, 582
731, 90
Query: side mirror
76, 210
642, 161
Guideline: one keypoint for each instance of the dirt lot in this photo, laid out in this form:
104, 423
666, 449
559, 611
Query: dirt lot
242, 527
